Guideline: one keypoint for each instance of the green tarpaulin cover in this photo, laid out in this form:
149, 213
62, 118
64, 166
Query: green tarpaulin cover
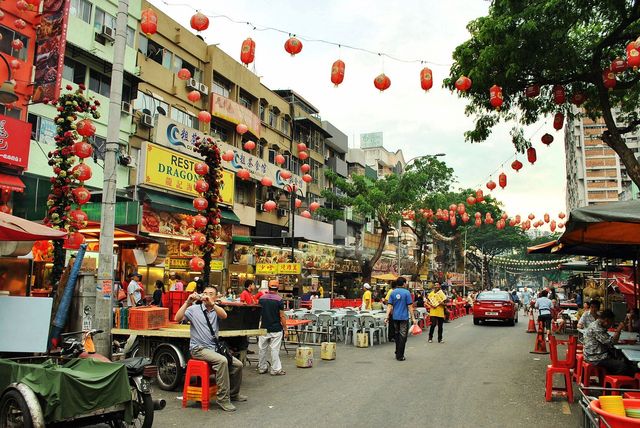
71, 389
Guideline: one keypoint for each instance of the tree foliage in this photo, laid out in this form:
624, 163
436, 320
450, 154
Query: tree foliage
552, 42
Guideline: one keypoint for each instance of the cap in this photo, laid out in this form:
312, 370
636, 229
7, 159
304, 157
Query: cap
274, 284
196, 278
367, 286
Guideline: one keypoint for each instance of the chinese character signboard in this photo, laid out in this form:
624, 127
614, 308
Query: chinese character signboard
177, 263
266, 269
318, 256
278, 269
233, 112
15, 138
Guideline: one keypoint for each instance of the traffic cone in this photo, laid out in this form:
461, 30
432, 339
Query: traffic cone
532, 324
541, 345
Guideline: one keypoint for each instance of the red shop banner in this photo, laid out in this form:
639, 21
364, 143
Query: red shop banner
15, 137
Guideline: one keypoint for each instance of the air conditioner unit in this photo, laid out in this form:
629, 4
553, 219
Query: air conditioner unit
193, 84
146, 120
282, 212
108, 33
126, 108
204, 89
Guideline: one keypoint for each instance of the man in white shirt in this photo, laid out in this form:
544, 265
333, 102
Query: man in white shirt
589, 316
134, 289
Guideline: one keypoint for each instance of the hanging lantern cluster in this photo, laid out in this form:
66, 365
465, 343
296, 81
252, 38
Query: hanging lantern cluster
633, 54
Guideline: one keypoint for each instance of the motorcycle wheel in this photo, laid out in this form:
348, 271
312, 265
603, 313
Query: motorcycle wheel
142, 409
14, 412
169, 369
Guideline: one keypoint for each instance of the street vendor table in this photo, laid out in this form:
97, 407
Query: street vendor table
627, 346
181, 332
294, 325
632, 355
625, 335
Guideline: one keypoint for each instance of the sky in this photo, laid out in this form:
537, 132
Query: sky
416, 122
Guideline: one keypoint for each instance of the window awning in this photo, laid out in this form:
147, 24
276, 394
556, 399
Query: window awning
11, 183
229, 216
241, 240
170, 203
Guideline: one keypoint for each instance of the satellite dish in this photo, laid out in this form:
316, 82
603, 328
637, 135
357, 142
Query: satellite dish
146, 111
161, 111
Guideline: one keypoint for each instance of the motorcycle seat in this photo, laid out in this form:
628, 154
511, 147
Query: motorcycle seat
135, 365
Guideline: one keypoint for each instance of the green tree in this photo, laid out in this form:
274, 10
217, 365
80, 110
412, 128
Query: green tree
547, 43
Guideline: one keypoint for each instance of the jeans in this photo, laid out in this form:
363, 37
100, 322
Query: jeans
439, 321
401, 329
227, 380
271, 341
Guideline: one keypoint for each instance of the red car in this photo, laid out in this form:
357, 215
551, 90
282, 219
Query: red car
495, 305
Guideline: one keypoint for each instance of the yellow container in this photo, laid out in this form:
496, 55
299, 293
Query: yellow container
362, 340
304, 357
328, 351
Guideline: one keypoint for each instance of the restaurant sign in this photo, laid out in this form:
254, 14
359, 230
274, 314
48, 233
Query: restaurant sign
15, 136
170, 170
233, 112
278, 269
216, 265
182, 139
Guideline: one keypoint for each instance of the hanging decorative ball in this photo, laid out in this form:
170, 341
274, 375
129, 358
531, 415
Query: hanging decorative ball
302, 147
463, 84
305, 167
531, 155
82, 171
305, 214
228, 155
81, 195
518, 218
15, 64
578, 99
531, 216
561, 215
461, 209
491, 185
618, 65
546, 217
196, 264
560, 225
495, 96
78, 216
201, 186
17, 44
426, 78
199, 21
20, 24
558, 121
270, 205
248, 51
184, 74
337, 72
552, 226
303, 156
201, 168
382, 82
285, 174
198, 238
633, 55
471, 200
502, 180
298, 203
547, 139
307, 178
465, 217
149, 21
204, 116
243, 174
293, 46
86, 128
453, 221
314, 206
200, 221
478, 222
200, 204
453, 207
194, 96
266, 182
532, 91
82, 149
516, 165
279, 159
479, 196
241, 128
609, 79
512, 222
559, 95
73, 241
477, 215
22, 5
249, 145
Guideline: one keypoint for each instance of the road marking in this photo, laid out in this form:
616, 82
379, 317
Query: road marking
459, 325
566, 409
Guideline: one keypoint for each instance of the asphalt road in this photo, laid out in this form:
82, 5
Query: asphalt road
482, 376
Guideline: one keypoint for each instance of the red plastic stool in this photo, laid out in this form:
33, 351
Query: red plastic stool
550, 389
618, 382
199, 369
588, 371
633, 395
577, 372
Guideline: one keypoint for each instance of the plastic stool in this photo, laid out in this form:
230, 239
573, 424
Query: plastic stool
577, 372
589, 370
633, 395
618, 381
549, 388
198, 369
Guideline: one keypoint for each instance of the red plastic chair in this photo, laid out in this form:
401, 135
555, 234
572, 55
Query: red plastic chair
561, 367
617, 381
577, 371
590, 370
200, 370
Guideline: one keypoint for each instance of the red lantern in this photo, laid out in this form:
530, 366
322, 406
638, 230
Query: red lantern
199, 22
314, 206
302, 147
81, 195
477, 215
228, 155
479, 196
241, 128
285, 174
279, 159
559, 96
200, 204
78, 216
633, 55
552, 226
22, 5
86, 128
495, 96
194, 96
337, 72
20, 24
305, 214
532, 91
201, 186
461, 208
198, 238
201, 168
82, 149
382, 82
305, 168
558, 121
15, 64
249, 145
293, 46
531, 155
463, 84
243, 174
453, 207
266, 182
426, 78
204, 116
82, 171
478, 223
149, 21
307, 178
73, 241
516, 165
491, 185
298, 203
578, 98
196, 264
17, 44
531, 216
546, 217
560, 225
512, 222
609, 79
199, 221
471, 200
465, 217
248, 51
303, 156
502, 180
269, 206
561, 215
618, 65
547, 138
184, 74
518, 218
452, 221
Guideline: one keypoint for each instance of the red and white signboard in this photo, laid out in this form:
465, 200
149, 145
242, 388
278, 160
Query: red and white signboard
15, 137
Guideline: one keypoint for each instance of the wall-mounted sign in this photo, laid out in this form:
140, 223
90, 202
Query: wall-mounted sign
15, 138
278, 269
233, 112
216, 265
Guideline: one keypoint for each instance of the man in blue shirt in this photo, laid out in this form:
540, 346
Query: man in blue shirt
399, 310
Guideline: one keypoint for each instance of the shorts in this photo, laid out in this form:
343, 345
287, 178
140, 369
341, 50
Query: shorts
546, 319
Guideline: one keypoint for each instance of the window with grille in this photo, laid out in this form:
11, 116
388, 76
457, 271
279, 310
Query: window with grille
7, 35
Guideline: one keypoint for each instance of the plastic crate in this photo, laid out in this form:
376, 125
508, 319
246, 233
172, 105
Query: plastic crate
149, 318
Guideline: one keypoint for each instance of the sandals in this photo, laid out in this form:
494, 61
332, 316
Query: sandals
279, 373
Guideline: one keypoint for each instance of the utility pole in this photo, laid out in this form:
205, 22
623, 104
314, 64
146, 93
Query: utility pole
104, 289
